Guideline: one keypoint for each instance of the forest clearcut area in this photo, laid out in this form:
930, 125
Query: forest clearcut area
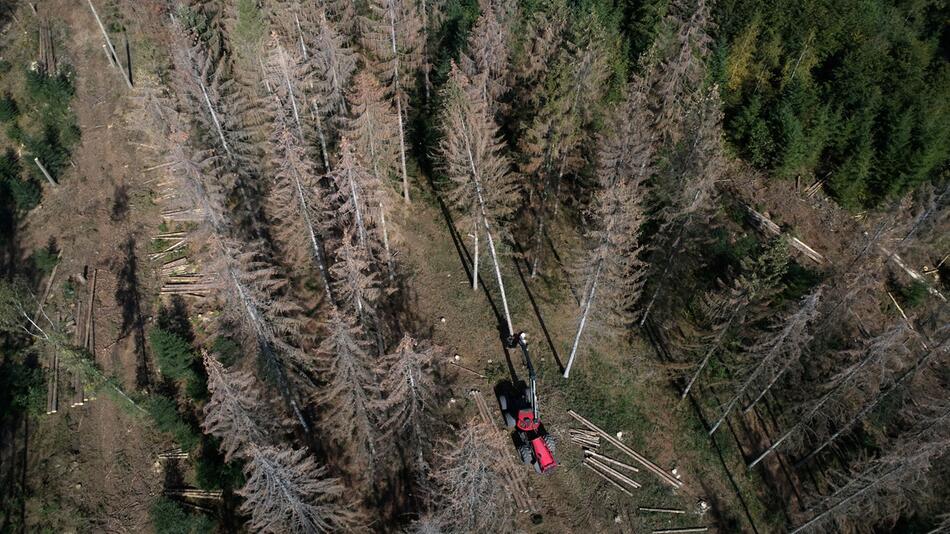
433, 266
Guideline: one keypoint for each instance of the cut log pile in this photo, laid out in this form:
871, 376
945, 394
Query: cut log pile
584, 438
84, 336
650, 466
173, 454
179, 276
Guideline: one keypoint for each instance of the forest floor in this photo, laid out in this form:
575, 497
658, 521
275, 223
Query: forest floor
617, 385
93, 467
97, 463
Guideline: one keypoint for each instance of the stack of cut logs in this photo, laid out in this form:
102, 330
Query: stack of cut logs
85, 337
605, 468
584, 438
179, 276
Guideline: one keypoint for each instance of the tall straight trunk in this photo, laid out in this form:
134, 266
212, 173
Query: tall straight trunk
357, 212
315, 112
315, 242
475, 263
538, 241
290, 93
871, 486
382, 213
491, 242
813, 411
588, 302
214, 118
735, 399
767, 387
303, 45
389, 256
398, 96
265, 345
494, 259
709, 354
425, 50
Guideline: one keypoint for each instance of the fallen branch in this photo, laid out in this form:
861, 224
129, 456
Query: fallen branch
45, 172
680, 530
474, 372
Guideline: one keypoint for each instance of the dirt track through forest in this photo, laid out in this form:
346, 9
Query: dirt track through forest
99, 217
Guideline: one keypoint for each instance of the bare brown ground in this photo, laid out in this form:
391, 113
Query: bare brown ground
98, 458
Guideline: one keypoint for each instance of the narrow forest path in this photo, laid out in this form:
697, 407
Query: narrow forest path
99, 216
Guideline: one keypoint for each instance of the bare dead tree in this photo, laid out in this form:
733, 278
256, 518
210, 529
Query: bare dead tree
233, 413
612, 270
682, 69
409, 384
372, 131
872, 367
361, 203
391, 34
468, 482
252, 288
287, 491
354, 280
783, 348
334, 63
880, 490
486, 63
223, 110
941, 350
296, 198
774, 353
350, 390
372, 128
480, 187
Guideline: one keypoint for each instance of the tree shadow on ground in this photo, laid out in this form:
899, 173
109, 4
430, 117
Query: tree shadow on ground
465, 258
127, 295
537, 310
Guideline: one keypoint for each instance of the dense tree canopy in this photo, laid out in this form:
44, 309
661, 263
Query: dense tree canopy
854, 92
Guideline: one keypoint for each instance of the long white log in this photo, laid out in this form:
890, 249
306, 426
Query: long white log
652, 467
580, 328
491, 242
613, 472
398, 96
114, 56
605, 477
603, 458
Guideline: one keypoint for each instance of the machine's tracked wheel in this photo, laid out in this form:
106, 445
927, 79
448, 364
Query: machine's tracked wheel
503, 404
527, 455
551, 442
